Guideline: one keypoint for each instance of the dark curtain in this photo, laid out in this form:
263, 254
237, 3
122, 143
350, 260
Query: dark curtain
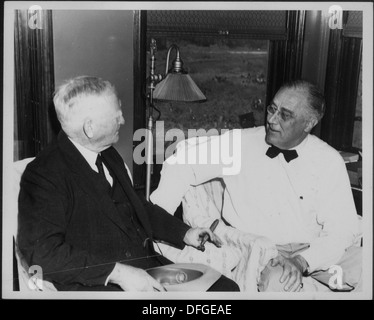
342, 80
140, 63
36, 123
285, 56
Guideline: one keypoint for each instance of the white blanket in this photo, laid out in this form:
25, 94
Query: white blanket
242, 257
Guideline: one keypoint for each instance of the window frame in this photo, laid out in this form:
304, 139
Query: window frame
285, 63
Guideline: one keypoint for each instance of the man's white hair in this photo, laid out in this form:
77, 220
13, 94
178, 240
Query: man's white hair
70, 92
315, 101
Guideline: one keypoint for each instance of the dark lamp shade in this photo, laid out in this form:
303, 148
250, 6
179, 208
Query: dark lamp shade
178, 87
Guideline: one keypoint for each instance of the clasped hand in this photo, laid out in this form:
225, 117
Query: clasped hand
292, 274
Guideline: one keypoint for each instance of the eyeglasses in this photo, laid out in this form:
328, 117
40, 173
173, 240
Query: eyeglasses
284, 114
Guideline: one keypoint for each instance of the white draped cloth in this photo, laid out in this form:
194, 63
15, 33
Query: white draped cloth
242, 257
266, 201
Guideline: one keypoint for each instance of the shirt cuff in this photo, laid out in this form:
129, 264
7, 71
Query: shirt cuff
303, 263
108, 277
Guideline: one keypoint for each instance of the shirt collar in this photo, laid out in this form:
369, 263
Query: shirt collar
89, 155
300, 147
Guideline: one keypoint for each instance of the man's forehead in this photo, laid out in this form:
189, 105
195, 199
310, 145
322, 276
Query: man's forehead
98, 99
290, 99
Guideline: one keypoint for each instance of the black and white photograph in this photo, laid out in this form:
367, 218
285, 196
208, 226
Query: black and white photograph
187, 151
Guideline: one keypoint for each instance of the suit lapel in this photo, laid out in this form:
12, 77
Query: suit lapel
85, 177
115, 162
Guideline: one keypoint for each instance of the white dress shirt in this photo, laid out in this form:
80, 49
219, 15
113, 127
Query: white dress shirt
91, 157
307, 200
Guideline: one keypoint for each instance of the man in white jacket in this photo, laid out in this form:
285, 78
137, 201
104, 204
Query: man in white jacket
289, 186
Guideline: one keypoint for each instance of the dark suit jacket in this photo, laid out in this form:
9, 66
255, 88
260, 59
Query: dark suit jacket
69, 225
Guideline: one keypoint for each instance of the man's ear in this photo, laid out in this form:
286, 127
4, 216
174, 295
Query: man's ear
310, 125
88, 128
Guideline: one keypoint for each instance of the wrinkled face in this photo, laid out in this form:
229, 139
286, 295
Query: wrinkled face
105, 119
288, 122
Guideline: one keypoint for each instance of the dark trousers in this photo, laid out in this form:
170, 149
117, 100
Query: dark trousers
223, 284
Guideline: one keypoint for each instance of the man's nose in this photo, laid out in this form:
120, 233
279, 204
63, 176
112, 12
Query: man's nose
121, 120
274, 118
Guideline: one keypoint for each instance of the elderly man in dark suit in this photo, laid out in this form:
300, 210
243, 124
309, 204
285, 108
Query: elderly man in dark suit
79, 217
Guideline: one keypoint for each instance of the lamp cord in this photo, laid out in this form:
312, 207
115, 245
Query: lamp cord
159, 113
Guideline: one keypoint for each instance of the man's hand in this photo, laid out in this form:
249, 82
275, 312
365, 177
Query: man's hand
194, 236
293, 269
134, 279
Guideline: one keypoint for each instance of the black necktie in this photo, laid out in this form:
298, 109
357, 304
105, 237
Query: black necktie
99, 165
289, 155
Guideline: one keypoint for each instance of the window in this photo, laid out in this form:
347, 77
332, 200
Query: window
249, 54
232, 74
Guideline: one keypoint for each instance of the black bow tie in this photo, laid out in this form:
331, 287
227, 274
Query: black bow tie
289, 155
